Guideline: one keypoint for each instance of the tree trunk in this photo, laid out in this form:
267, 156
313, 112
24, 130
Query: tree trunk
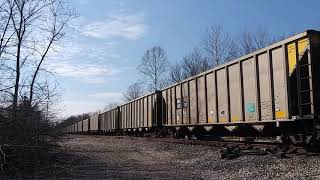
16, 86
38, 68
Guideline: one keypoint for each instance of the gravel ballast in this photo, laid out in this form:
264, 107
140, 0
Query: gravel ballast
110, 157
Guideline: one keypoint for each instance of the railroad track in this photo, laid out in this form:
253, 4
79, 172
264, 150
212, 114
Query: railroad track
232, 149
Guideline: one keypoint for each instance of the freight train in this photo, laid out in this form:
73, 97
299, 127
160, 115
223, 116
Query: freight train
274, 91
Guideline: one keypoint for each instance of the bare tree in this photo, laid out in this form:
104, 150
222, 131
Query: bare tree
30, 28
60, 17
191, 64
194, 63
215, 44
111, 105
176, 73
262, 38
6, 13
47, 98
134, 91
154, 65
19, 24
246, 43
252, 41
233, 50
6, 33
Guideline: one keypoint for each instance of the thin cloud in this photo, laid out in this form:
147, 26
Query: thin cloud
107, 95
124, 25
66, 51
89, 73
69, 50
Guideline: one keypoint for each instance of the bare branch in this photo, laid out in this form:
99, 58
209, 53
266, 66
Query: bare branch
215, 44
134, 91
154, 65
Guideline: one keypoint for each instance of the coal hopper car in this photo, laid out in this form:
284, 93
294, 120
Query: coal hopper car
270, 92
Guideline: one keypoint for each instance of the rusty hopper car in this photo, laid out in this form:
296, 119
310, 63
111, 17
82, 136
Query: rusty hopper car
274, 90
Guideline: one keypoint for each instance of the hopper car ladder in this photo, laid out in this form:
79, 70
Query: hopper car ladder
306, 79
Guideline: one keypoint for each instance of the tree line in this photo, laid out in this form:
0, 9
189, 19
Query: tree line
216, 47
29, 31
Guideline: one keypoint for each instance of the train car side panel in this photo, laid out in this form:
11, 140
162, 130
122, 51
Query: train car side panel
193, 102
280, 86
249, 95
185, 103
164, 102
211, 98
179, 105
80, 126
150, 108
85, 125
222, 96
145, 111
94, 123
169, 107
264, 87
202, 101
235, 93
173, 105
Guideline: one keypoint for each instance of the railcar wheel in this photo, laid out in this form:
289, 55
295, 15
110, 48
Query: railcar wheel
177, 135
173, 134
314, 144
187, 136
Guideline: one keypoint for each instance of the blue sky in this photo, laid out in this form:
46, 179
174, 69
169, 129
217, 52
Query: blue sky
97, 60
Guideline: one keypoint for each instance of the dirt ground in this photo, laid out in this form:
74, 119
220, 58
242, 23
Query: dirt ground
105, 157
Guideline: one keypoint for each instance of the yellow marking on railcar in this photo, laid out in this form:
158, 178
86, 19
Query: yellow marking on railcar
210, 119
280, 114
303, 45
292, 58
235, 119
222, 119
